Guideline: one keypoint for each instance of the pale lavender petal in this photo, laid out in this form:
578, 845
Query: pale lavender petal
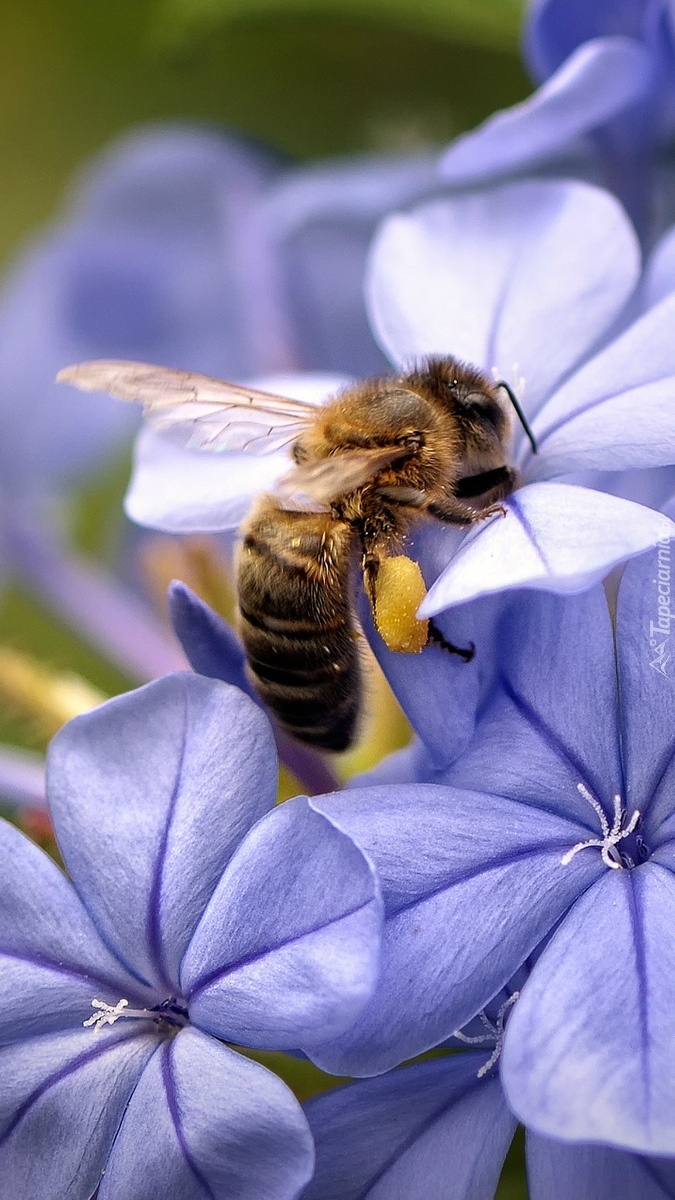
659, 276
471, 884
150, 795
22, 778
63, 1097
205, 1123
97, 606
187, 491
527, 275
52, 960
287, 951
434, 1130
617, 411
555, 537
595, 1172
589, 1052
597, 81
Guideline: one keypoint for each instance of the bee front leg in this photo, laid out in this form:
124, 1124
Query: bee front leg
455, 512
434, 635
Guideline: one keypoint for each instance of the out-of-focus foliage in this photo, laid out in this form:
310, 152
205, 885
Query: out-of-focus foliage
483, 22
318, 82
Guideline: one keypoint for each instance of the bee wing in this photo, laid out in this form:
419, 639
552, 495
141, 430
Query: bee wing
197, 411
316, 485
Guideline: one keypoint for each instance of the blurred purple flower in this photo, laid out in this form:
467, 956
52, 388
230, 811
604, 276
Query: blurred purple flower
605, 108
198, 915
555, 826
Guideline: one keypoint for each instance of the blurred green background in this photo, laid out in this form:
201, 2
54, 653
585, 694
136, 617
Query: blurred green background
314, 79
318, 78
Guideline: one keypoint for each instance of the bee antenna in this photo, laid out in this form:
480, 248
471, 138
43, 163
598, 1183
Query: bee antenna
521, 415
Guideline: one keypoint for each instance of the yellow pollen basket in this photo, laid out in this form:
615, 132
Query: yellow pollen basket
399, 591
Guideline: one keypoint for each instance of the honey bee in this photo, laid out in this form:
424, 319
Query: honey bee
368, 465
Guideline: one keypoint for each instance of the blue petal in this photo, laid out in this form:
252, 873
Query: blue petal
62, 1099
595, 1172
52, 960
599, 80
555, 537
150, 795
434, 1130
590, 422
211, 646
471, 884
644, 621
551, 721
589, 1053
206, 1124
523, 279
288, 950
555, 28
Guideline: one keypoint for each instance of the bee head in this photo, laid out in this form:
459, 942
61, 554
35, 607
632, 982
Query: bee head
478, 403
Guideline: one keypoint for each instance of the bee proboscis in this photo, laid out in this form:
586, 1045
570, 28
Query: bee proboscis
367, 466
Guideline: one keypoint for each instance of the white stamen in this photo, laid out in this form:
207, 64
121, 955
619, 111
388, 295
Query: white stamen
499, 1032
479, 1040
107, 1014
495, 1034
610, 839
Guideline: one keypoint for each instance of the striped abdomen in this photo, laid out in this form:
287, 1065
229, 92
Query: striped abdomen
296, 622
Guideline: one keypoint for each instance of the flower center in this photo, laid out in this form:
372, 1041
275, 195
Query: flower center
608, 843
494, 1034
170, 1016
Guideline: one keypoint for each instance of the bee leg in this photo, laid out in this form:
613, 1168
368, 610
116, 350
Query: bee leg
434, 635
370, 564
455, 512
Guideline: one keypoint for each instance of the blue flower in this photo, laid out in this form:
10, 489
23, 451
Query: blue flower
441, 1129
195, 917
605, 108
536, 282
553, 830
